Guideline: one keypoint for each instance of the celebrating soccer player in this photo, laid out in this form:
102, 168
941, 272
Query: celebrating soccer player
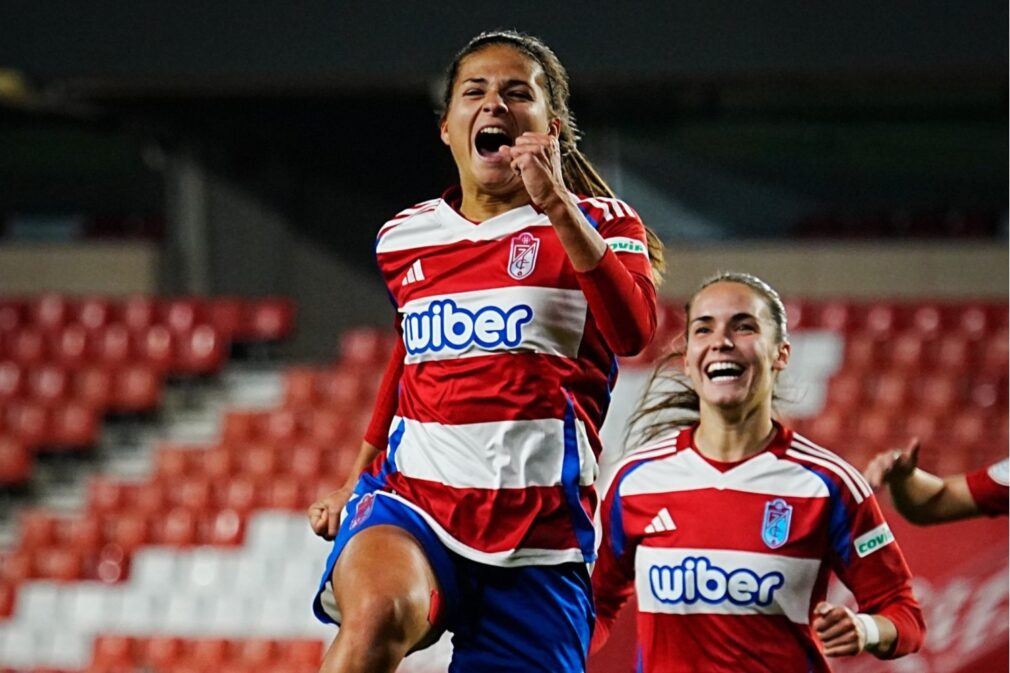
514, 291
727, 524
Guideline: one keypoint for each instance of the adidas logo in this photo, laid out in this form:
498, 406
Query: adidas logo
414, 273
661, 523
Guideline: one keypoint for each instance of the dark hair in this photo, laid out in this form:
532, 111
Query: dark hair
669, 401
580, 175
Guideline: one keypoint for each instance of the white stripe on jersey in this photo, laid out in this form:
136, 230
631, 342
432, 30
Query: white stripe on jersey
799, 453
857, 477
687, 471
723, 582
444, 226
509, 319
494, 455
508, 558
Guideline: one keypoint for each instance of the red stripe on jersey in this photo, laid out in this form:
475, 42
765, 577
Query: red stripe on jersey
697, 513
498, 387
727, 644
490, 521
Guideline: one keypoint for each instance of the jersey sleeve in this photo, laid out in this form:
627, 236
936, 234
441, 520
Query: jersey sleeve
989, 488
619, 290
614, 573
869, 562
377, 433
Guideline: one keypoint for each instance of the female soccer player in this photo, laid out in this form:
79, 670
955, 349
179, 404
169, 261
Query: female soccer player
514, 290
924, 498
727, 526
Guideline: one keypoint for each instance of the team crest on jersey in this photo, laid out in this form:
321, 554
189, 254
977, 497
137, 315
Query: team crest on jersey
775, 527
523, 257
364, 510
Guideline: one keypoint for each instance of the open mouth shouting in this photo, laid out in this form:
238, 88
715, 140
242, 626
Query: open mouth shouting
488, 141
724, 372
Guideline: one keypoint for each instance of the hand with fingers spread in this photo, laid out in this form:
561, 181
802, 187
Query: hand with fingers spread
324, 514
536, 158
893, 465
838, 627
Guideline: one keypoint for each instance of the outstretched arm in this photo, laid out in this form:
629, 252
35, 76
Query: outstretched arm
921, 497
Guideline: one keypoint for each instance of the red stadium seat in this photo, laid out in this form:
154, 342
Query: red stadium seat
240, 426
15, 462
218, 463
112, 651
176, 528
989, 392
875, 430
972, 428
845, 392
280, 428
299, 387
208, 654
50, 312
6, 599
159, 652
93, 387
70, 347
284, 492
929, 319
239, 494
156, 346
227, 316
864, 352
908, 350
889, 391
796, 314
201, 351
271, 319
49, 384
139, 313
839, 316
256, 652
94, 313
363, 347
298, 653
106, 495
15, 567
259, 461
13, 381
27, 347
27, 422
222, 528
74, 426
306, 461
996, 351
192, 492
939, 392
12, 315
973, 320
58, 563
327, 427
137, 388
181, 314
882, 319
954, 351
37, 529
111, 345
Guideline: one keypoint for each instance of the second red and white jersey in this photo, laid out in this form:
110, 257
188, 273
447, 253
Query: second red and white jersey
728, 561
506, 377
990, 488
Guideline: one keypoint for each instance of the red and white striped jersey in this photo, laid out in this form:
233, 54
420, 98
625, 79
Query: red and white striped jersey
728, 560
990, 488
510, 359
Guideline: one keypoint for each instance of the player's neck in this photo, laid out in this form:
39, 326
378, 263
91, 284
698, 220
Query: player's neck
732, 439
478, 206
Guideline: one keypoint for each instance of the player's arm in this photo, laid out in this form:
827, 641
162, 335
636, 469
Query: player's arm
867, 559
919, 496
324, 514
614, 573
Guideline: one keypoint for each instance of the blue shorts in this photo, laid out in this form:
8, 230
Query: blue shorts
523, 619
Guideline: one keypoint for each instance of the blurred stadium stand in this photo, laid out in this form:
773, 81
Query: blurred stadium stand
176, 201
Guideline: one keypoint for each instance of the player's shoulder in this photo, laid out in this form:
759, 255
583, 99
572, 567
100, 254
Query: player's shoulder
829, 466
407, 217
605, 209
648, 454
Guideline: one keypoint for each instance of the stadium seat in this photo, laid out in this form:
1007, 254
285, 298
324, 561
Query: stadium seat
111, 345
155, 346
50, 312
73, 426
12, 315
222, 528
839, 316
139, 313
271, 319
227, 316
200, 351
59, 563
864, 352
881, 319
94, 313
954, 351
136, 388
181, 314
996, 351
27, 422
13, 383
49, 384
27, 347
299, 387
908, 350
15, 462
70, 347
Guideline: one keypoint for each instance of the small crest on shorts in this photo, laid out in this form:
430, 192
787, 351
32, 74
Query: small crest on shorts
523, 257
775, 527
363, 510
